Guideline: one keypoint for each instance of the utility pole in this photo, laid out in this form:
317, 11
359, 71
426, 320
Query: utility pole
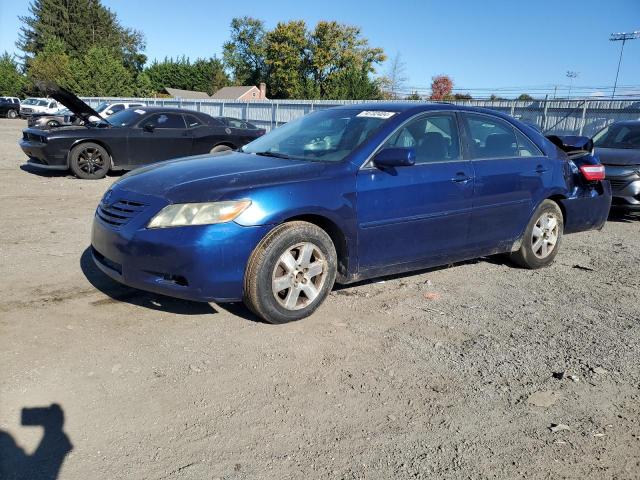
621, 37
571, 75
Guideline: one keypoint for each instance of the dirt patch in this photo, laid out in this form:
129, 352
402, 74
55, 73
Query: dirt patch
429, 375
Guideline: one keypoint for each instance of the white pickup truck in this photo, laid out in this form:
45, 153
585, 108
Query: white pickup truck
38, 105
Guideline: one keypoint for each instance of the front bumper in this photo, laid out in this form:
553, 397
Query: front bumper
625, 186
201, 263
44, 154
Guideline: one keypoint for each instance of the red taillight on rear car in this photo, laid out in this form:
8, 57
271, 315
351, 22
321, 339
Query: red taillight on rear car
592, 173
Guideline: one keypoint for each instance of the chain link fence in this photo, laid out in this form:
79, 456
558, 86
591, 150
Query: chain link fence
562, 117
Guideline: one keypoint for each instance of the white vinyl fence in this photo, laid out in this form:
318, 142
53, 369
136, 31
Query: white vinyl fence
563, 117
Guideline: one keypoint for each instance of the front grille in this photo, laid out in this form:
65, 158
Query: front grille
32, 137
120, 212
617, 184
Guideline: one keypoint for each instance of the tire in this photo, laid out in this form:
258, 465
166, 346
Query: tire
542, 237
12, 114
52, 124
89, 161
220, 148
290, 253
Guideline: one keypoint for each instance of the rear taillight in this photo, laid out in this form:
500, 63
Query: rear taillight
592, 173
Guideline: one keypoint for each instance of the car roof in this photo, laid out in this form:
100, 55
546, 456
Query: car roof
154, 109
407, 106
627, 122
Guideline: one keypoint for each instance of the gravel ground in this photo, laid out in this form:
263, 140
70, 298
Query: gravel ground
447, 373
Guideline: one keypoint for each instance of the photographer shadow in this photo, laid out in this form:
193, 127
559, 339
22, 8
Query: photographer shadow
47, 459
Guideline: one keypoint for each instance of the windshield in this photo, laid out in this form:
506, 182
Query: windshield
328, 135
36, 101
618, 136
102, 106
126, 118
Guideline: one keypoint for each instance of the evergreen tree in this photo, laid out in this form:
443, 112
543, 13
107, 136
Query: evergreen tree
12, 81
80, 25
51, 65
101, 73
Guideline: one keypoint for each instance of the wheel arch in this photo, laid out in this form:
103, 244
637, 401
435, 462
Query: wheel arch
337, 237
225, 143
557, 198
89, 140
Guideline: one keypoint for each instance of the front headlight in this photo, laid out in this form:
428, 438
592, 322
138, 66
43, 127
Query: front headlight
182, 214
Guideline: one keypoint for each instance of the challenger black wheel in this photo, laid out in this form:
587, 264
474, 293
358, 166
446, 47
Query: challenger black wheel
290, 272
12, 114
542, 237
52, 124
89, 161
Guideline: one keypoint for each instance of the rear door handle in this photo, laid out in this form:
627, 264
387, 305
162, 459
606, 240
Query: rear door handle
461, 177
541, 169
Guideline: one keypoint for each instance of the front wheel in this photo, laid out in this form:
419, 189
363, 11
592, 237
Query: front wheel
89, 161
290, 273
542, 237
12, 114
52, 124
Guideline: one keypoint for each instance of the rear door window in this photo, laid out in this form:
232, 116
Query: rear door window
490, 137
192, 121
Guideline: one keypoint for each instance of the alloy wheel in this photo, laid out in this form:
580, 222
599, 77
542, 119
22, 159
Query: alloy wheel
544, 235
91, 160
299, 276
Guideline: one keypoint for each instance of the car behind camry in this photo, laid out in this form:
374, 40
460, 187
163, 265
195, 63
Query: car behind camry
618, 147
348, 193
127, 139
45, 121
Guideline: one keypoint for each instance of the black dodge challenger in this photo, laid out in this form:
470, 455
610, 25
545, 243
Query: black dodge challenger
129, 138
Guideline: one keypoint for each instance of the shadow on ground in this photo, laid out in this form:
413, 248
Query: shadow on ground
43, 172
121, 293
47, 459
616, 215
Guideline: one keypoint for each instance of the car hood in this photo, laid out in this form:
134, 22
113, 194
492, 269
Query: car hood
209, 177
618, 156
73, 103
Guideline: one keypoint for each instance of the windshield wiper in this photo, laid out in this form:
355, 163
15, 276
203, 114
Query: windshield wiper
273, 154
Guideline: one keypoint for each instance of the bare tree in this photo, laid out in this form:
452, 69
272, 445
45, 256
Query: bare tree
396, 76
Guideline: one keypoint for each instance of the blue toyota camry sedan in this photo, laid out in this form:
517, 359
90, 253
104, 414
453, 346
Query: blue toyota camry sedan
346, 194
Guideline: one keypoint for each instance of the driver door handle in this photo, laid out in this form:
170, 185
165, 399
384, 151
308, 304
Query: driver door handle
461, 177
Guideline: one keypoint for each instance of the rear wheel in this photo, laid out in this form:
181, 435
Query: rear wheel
89, 161
12, 114
220, 148
542, 237
52, 124
290, 272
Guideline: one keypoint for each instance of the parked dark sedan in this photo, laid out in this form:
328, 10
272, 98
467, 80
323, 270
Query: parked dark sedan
45, 121
127, 139
618, 147
347, 193
9, 108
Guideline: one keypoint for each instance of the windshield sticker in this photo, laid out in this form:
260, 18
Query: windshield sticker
376, 114
140, 112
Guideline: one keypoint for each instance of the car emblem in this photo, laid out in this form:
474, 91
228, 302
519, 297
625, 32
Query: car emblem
106, 197
228, 130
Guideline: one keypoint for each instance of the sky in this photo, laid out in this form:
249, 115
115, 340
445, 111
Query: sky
502, 46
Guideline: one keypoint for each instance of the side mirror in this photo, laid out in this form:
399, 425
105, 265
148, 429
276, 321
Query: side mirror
149, 127
395, 157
